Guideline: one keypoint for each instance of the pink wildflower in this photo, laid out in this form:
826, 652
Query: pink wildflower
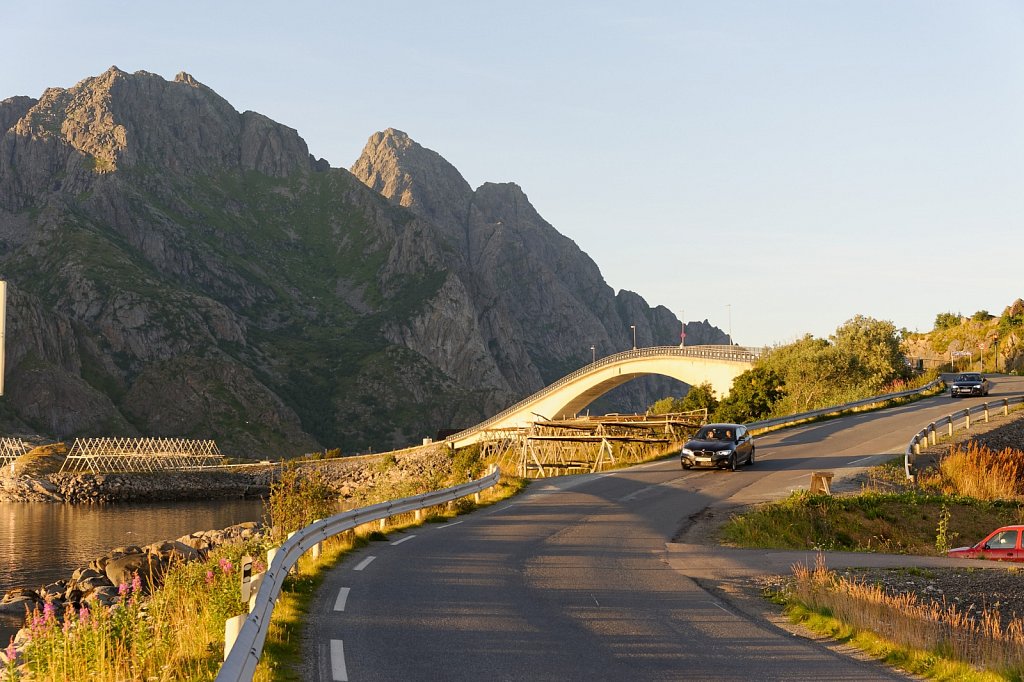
49, 611
136, 582
226, 566
123, 589
209, 577
11, 652
83, 615
258, 566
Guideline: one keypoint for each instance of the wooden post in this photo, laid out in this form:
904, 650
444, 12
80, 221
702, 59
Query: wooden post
820, 482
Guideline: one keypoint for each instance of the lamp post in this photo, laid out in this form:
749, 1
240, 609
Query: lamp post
728, 307
593, 355
682, 331
633, 327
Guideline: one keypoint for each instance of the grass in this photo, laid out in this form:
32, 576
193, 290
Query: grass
933, 640
974, 470
177, 632
972, 491
905, 522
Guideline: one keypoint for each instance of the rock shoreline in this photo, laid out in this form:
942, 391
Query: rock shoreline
104, 579
78, 488
348, 477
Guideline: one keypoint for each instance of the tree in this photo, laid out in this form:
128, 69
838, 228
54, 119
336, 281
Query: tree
815, 372
753, 396
947, 321
698, 397
874, 346
982, 316
701, 396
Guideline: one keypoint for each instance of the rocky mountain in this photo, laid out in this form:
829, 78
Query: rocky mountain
176, 267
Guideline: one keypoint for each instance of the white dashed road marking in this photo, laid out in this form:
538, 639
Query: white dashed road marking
339, 603
447, 525
398, 542
339, 673
364, 563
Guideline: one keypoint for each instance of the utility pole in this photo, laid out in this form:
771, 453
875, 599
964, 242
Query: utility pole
682, 332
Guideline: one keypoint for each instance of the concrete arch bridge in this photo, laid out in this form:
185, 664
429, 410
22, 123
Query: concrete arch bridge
565, 398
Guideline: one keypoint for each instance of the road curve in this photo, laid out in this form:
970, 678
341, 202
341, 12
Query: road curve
579, 577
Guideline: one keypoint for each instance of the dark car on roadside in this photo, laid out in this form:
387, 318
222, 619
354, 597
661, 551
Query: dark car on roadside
1002, 544
969, 383
722, 446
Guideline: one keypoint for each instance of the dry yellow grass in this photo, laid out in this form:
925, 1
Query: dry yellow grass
980, 639
974, 470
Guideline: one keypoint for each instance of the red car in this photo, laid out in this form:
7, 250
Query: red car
1002, 544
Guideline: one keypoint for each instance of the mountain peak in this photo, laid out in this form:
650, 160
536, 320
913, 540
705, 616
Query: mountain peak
118, 120
410, 175
187, 79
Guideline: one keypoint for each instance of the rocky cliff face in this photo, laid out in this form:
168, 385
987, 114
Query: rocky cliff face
176, 267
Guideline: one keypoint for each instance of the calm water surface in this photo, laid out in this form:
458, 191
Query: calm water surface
41, 543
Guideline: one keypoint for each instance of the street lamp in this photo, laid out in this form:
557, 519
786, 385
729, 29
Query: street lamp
633, 327
593, 355
682, 331
728, 307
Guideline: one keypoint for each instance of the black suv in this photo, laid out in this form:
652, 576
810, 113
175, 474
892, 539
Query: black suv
724, 446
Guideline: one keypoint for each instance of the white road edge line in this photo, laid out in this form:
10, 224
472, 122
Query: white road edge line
339, 603
714, 603
339, 672
398, 542
862, 459
446, 525
364, 563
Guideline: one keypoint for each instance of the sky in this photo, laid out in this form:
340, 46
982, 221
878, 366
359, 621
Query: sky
773, 167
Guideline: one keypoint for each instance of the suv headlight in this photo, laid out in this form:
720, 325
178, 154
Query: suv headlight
724, 452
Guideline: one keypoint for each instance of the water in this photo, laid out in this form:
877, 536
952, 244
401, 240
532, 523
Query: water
41, 543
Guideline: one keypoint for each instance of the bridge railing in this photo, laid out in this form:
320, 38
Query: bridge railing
929, 436
240, 663
736, 353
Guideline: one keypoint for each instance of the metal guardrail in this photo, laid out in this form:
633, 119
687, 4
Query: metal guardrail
929, 436
737, 353
245, 653
794, 418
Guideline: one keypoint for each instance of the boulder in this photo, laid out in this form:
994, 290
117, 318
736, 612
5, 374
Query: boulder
172, 551
122, 570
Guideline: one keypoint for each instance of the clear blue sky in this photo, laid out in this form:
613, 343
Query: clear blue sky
799, 161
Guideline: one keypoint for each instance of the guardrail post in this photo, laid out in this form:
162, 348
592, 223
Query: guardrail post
950, 427
933, 438
986, 413
967, 420
1006, 407
917, 446
383, 524
232, 626
254, 589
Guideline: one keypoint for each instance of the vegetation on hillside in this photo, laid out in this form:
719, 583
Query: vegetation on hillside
981, 341
862, 358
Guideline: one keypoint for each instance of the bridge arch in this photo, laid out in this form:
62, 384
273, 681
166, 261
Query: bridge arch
566, 397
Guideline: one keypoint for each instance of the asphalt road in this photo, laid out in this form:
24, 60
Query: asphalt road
579, 578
